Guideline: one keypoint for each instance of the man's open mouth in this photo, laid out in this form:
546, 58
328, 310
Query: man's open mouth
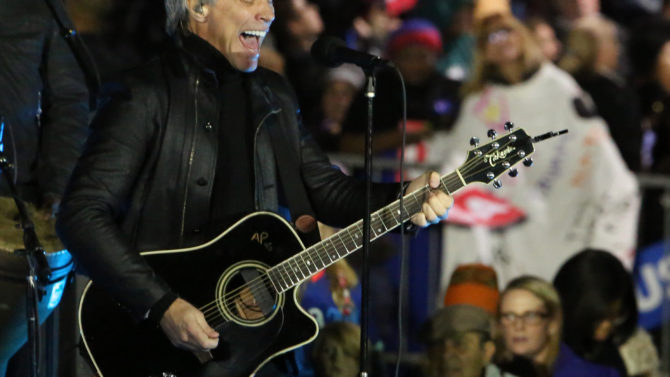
251, 39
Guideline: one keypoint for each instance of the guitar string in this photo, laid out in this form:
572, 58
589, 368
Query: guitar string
244, 296
256, 283
388, 215
310, 253
265, 278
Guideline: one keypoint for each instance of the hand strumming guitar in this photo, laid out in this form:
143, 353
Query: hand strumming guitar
436, 204
187, 329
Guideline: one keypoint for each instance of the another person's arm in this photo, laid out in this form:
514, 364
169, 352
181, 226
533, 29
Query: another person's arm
64, 120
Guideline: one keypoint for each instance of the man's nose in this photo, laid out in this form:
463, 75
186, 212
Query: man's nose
267, 12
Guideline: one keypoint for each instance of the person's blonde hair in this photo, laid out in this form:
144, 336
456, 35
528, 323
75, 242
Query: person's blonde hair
483, 72
546, 292
583, 44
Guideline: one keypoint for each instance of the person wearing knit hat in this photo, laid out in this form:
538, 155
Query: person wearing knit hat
432, 100
473, 284
416, 32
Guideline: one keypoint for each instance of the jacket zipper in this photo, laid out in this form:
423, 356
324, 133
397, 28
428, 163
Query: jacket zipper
190, 158
258, 128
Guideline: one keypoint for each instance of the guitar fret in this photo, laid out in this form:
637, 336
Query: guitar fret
351, 242
326, 252
416, 201
295, 279
320, 254
343, 243
355, 236
388, 214
286, 272
445, 186
323, 264
373, 234
307, 263
393, 211
298, 269
287, 282
386, 229
314, 251
333, 256
295, 270
404, 213
272, 273
329, 245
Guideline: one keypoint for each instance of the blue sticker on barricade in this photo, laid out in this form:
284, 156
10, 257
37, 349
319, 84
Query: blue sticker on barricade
652, 285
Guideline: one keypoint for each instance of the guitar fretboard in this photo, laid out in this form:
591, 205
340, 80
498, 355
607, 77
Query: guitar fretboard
317, 257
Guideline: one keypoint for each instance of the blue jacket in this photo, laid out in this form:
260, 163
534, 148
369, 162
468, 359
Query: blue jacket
568, 364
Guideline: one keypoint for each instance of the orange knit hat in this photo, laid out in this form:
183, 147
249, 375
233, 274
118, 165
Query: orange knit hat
474, 284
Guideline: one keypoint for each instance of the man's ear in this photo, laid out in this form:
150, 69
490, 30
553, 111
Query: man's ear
489, 351
197, 10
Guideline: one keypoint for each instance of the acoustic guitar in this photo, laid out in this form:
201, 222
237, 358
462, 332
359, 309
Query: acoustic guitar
245, 279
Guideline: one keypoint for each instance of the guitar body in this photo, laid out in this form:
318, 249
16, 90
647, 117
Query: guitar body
218, 277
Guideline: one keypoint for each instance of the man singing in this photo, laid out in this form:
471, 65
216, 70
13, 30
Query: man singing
195, 143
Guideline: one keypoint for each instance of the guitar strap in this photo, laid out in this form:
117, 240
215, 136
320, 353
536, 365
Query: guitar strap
292, 187
79, 50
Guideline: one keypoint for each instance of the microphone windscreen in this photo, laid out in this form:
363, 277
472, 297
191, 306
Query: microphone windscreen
324, 51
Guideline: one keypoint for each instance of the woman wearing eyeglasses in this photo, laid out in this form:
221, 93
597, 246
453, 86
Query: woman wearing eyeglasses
530, 321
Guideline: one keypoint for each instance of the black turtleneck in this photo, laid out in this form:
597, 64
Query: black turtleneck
233, 190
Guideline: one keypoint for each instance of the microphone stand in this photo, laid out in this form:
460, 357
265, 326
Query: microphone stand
38, 267
365, 269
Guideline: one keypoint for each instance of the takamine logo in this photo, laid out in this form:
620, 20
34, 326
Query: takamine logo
493, 158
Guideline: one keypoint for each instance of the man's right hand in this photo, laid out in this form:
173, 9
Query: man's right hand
186, 327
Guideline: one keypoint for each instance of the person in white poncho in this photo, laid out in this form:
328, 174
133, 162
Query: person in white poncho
579, 192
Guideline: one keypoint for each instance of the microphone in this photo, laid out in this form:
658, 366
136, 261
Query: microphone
332, 52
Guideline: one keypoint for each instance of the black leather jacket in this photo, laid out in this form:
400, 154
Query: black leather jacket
145, 179
43, 99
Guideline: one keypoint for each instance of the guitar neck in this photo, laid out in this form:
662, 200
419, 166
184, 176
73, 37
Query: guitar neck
317, 257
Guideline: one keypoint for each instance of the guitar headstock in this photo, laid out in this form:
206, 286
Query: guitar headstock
487, 162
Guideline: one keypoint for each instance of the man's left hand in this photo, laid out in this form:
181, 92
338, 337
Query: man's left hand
436, 203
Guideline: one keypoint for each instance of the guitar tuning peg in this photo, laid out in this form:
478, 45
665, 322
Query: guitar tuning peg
474, 141
528, 162
497, 184
508, 126
513, 173
492, 134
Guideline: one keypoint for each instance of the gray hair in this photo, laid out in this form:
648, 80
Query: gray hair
176, 12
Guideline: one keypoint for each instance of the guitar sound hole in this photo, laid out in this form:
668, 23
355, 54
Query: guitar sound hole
247, 296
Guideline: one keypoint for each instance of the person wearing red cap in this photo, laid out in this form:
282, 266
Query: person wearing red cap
432, 99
